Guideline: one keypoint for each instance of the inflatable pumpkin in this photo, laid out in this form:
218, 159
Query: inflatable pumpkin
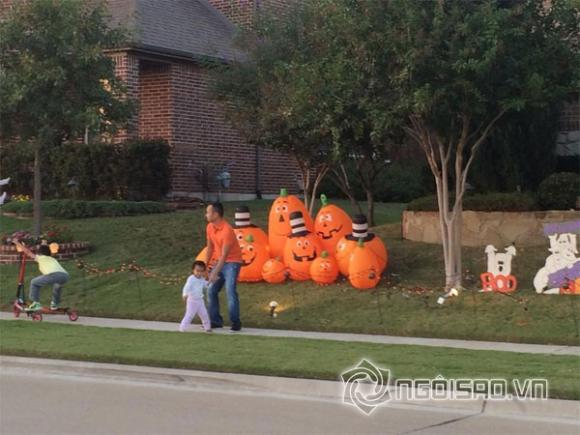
301, 249
324, 269
254, 255
363, 269
274, 271
243, 227
279, 221
331, 224
360, 230
343, 252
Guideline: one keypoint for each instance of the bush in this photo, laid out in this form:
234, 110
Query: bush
559, 191
133, 171
73, 209
481, 202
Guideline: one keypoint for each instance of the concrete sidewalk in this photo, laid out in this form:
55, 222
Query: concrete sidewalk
336, 336
551, 410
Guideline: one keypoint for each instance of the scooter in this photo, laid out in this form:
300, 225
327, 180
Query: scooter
19, 306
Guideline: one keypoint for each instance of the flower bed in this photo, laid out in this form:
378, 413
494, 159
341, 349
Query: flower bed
67, 251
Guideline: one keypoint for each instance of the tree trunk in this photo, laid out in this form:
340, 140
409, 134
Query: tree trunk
340, 179
370, 207
36, 204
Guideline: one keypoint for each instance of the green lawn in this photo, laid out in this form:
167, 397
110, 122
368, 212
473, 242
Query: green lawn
293, 357
167, 244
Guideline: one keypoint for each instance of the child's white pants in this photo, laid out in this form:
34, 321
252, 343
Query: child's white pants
194, 306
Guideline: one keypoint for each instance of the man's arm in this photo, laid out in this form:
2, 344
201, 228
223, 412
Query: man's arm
218, 267
209, 252
24, 249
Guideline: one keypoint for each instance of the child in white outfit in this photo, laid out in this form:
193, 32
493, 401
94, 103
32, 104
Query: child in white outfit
193, 297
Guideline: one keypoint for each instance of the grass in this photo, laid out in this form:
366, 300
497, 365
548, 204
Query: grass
292, 357
167, 244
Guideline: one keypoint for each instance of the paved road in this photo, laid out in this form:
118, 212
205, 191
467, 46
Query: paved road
366, 338
38, 401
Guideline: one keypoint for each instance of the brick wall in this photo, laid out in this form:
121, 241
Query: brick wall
202, 138
243, 12
127, 69
155, 100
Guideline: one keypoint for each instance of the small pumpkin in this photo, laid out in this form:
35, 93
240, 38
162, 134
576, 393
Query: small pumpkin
301, 249
243, 227
324, 270
363, 270
344, 249
254, 255
331, 224
274, 271
279, 221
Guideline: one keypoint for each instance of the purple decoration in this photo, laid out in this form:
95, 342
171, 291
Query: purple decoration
563, 276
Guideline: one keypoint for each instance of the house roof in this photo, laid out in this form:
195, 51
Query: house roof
185, 28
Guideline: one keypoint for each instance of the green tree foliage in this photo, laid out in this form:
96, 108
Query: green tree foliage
55, 79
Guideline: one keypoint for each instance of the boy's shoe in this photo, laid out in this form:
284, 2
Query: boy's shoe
53, 306
34, 306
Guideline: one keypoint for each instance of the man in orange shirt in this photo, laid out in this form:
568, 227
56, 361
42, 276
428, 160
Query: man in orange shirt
222, 247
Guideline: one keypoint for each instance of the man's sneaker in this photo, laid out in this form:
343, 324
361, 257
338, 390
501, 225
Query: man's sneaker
216, 326
236, 328
53, 306
34, 306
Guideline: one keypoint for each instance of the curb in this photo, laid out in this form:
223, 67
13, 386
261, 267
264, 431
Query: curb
567, 411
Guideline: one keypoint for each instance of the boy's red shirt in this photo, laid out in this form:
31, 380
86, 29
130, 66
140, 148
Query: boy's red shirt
219, 235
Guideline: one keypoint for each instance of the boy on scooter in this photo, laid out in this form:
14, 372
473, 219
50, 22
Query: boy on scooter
52, 274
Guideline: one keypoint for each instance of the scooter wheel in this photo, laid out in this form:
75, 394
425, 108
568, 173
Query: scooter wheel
37, 317
15, 311
73, 316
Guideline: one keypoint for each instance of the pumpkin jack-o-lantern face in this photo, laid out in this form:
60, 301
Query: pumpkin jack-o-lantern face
331, 224
324, 269
279, 227
254, 255
301, 248
243, 227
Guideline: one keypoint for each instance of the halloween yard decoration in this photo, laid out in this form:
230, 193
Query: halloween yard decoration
561, 272
324, 270
363, 268
243, 227
254, 255
279, 221
301, 249
274, 271
498, 277
331, 224
202, 257
3, 182
347, 244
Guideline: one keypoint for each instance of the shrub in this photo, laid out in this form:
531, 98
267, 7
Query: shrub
137, 170
481, 202
75, 209
559, 191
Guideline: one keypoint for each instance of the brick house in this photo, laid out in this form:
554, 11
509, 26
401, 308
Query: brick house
165, 68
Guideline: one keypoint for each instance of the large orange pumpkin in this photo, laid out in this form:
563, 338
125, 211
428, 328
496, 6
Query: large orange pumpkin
343, 251
243, 227
376, 245
301, 249
363, 270
254, 255
324, 269
279, 221
274, 271
331, 224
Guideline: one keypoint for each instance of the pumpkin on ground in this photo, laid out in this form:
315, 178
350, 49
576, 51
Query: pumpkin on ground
342, 254
254, 255
274, 271
243, 227
331, 224
279, 221
324, 270
301, 249
363, 270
